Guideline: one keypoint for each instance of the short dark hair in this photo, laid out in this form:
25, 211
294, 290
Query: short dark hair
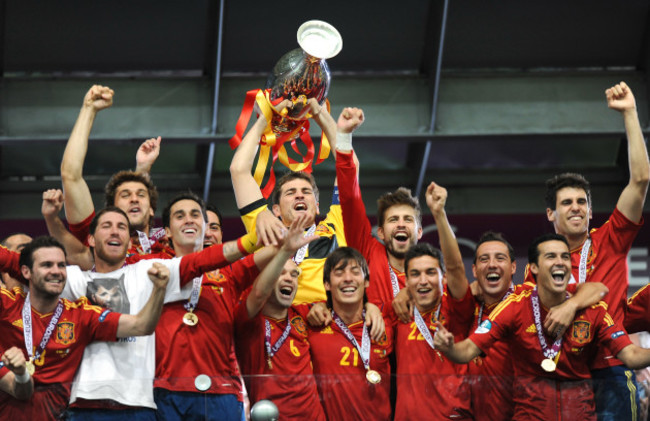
533, 249
560, 181
345, 255
122, 177
423, 249
188, 195
401, 196
215, 210
290, 176
494, 236
93, 224
27, 254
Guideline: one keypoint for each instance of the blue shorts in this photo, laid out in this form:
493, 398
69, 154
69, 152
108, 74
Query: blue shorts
616, 394
135, 414
196, 406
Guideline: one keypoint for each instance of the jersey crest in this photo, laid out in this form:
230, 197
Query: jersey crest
216, 277
581, 333
299, 324
383, 341
65, 333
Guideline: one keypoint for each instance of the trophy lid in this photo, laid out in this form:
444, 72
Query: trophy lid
319, 39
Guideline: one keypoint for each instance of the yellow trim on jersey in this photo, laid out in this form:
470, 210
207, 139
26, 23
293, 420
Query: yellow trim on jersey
511, 298
629, 300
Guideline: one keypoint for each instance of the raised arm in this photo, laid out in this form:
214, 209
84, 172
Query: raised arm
78, 201
147, 154
630, 203
144, 323
461, 352
247, 192
456, 280
17, 382
265, 283
76, 252
560, 317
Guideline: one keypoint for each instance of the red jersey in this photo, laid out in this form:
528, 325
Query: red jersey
607, 263
491, 376
513, 321
429, 385
79, 324
637, 311
358, 233
341, 376
183, 352
289, 382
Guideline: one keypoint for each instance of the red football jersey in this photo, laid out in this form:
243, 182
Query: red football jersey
637, 311
79, 324
358, 233
607, 263
183, 352
341, 377
429, 385
513, 321
289, 382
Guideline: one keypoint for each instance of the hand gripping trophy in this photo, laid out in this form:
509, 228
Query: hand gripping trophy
298, 76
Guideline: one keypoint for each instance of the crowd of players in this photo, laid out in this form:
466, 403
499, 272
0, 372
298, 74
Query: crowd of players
316, 314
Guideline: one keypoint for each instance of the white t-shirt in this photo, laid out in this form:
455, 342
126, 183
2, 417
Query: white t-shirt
122, 371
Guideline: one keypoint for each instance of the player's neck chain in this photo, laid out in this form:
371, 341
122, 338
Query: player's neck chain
422, 326
550, 362
27, 332
271, 350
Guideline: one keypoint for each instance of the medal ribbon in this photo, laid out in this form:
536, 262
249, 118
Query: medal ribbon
272, 350
146, 242
548, 353
393, 280
27, 328
191, 304
364, 349
584, 254
480, 310
302, 251
422, 326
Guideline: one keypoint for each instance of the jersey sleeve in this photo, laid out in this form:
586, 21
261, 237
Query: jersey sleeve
249, 214
358, 232
242, 272
461, 312
496, 327
622, 232
81, 230
102, 323
197, 263
9, 263
610, 334
637, 311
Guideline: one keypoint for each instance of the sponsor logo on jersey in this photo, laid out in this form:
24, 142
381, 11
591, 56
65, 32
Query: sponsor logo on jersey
531, 329
102, 316
485, 327
581, 332
217, 290
65, 333
18, 323
299, 324
617, 334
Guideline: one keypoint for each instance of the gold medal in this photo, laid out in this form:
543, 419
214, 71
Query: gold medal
548, 365
31, 368
373, 377
190, 319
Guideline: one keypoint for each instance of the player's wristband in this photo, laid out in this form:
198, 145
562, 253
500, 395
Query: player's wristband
247, 243
22, 378
343, 142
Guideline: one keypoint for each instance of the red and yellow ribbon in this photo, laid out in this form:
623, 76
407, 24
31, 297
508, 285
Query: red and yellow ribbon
272, 146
